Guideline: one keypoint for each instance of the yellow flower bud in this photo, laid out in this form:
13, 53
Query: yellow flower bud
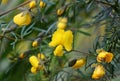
22, 19
105, 56
42, 4
62, 23
22, 55
35, 43
77, 63
98, 72
59, 51
34, 70
32, 4
62, 19
41, 56
60, 11
34, 61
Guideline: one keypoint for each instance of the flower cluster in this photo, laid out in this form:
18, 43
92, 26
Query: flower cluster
36, 62
61, 39
103, 56
62, 23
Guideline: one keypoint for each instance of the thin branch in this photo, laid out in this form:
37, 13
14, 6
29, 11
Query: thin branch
103, 3
1, 36
6, 12
79, 51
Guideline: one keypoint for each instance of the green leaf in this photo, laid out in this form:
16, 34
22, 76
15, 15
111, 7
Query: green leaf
16, 71
85, 33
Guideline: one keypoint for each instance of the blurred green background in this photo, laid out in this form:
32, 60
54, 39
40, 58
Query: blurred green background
83, 41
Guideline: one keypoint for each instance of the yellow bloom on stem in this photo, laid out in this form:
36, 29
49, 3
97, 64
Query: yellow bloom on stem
62, 23
33, 70
22, 55
35, 43
77, 63
105, 56
68, 40
58, 51
37, 63
62, 19
42, 4
60, 11
32, 4
99, 72
34, 61
61, 37
56, 38
41, 56
22, 19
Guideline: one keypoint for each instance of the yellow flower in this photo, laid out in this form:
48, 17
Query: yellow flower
62, 23
33, 70
58, 51
37, 63
68, 40
105, 56
35, 43
34, 61
41, 56
42, 4
22, 19
98, 72
60, 11
77, 63
61, 37
32, 4
56, 38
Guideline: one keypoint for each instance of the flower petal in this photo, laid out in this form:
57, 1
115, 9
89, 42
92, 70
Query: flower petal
56, 38
58, 51
34, 61
22, 19
34, 70
79, 63
68, 40
105, 56
98, 72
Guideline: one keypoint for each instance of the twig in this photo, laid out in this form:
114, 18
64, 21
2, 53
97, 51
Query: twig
79, 51
6, 12
1, 36
103, 3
